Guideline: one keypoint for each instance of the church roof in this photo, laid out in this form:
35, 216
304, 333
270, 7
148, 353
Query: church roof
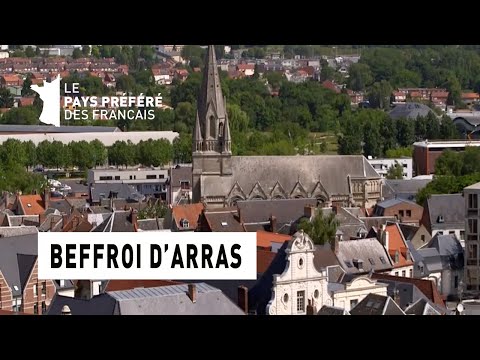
331, 170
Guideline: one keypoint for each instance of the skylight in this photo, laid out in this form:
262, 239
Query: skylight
15, 287
29, 205
224, 223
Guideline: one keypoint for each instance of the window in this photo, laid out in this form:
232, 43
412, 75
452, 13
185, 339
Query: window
300, 263
371, 261
382, 260
409, 213
131, 177
301, 301
397, 256
472, 201
117, 177
422, 237
456, 281
35, 290
285, 298
451, 233
44, 288
410, 273
396, 273
106, 178
316, 293
472, 254
184, 223
44, 307
185, 185
462, 235
353, 303
404, 273
150, 177
401, 213
35, 308
161, 176
472, 226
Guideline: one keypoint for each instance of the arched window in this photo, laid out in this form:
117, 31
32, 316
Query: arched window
220, 129
234, 200
212, 126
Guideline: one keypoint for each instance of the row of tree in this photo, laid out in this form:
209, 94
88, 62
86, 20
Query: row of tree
86, 155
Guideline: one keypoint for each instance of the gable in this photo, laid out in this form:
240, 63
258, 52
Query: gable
278, 192
298, 191
257, 192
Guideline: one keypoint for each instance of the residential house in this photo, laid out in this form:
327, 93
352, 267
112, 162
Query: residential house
30, 205
100, 192
472, 244
445, 214
422, 307
418, 236
180, 185
270, 241
246, 69
7, 80
441, 261
186, 217
181, 74
122, 285
392, 238
374, 304
470, 98
20, 288
405, 211
26, 101
220, 220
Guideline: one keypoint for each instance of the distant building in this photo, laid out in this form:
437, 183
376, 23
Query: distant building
404, 210
382, 166
472, 243
148, 182
409, 110
426, 153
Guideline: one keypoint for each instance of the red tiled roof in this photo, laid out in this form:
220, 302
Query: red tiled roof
330, 85
119, 285
265, 238
470, 96
264, 259
10, 77
27, 101
397, 243
245, 67
32, 204
427, 287
190, 212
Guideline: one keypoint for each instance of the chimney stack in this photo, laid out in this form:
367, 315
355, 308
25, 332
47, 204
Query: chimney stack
396, 296
46, 198
310, 309
273, 223
309, 211
334, 244
66, 310
192, 292
52, 223
41, 218
134, 217
243, 298
385, 239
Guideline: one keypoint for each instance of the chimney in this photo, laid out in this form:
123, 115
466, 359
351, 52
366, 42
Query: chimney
66, 310
273, 223
335, 208
46, 198
192, 292
308, 211
134, 217
396, 296
310, 309
52, 223
334, 244
41, 218
112, 204
385, 239
243, 298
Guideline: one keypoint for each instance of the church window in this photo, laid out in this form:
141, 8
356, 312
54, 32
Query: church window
300, 263
212, 126
220, 129
285, 298
301, 301
316, 293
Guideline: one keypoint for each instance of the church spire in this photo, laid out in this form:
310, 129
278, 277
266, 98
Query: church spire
227, 138
197, 138
211, 106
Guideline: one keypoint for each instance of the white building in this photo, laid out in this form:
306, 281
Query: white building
381, 166
347, 295
472, 212
4, 54
3, 47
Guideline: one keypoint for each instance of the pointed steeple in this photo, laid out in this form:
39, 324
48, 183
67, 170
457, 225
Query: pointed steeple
211, 108
197, 138
227, 138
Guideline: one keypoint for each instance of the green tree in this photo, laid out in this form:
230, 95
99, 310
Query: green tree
447, 130
26, 91
95, 51
25, 115
126, 83
379, 95
29, 52
13, 151
83, 154
184, 113
6, 98
31, 153
322, 229
399, 152
100, 153
154, 152
122, 153
86, 50
405, 132
182, 148
360, 77
395, 171
77, 53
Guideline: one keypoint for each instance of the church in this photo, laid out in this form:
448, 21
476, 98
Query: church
221, 179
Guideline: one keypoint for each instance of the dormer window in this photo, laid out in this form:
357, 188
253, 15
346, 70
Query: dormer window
397, 256
184, 223
440, 219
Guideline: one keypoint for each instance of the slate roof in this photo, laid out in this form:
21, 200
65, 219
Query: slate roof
331, 310
180, 173
422, 307
124, 191
363, 249
331, 170
150, 224
406, 189
374, 304
410, 110
285, 210
223, 220
55, 129
117, 285
451, 207
102, 304
61, 205
441, 253
17, 256
174, 300
408, 231
121, 222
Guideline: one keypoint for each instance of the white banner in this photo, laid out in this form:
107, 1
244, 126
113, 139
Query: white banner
147, 256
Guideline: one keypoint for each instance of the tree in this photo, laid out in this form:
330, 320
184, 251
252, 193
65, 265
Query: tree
184, 113
86, 50
153, 211
31, 153
379, 95
360, 77
100, 153
122, 153
182, 148
95, 51
447, 130
13, 151
6, 98
25, 115
395, 171
29, 52
83, 154
322, 229
26, 91
405, 132
154, 152
126, 83
77, 53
